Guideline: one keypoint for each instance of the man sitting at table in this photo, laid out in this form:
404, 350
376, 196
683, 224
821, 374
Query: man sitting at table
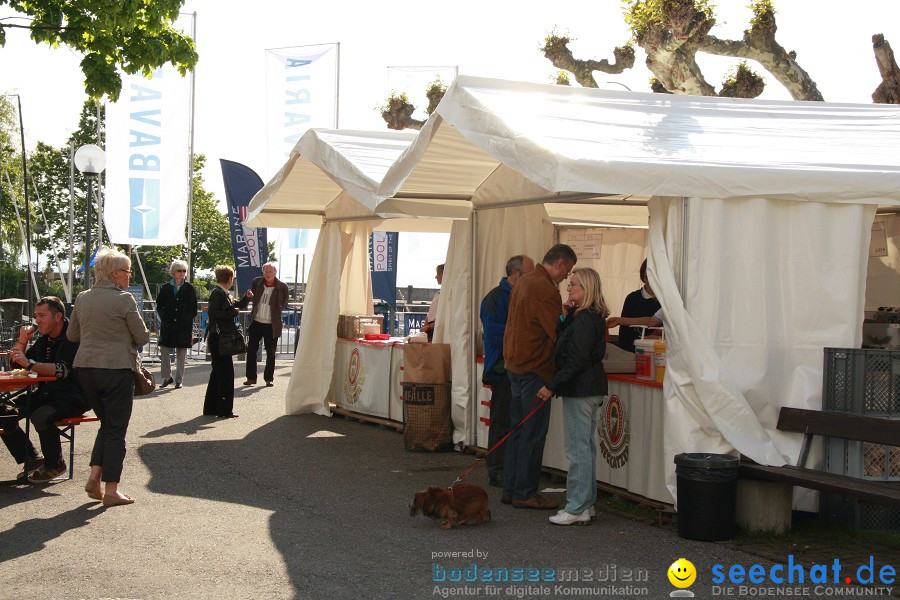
51, 355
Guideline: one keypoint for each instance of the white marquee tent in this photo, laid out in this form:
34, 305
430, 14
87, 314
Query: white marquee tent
760, 216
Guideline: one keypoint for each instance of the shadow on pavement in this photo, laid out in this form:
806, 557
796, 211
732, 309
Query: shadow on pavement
32, 535
334, 515
191, 427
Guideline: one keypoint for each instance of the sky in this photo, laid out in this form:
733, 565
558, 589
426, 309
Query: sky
498, 39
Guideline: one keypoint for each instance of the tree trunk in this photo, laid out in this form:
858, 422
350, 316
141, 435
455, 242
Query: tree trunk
888, 92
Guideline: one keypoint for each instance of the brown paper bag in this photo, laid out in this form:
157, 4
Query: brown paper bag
426, 363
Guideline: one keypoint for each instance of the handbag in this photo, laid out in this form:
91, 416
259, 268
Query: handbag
232, 342
143, 382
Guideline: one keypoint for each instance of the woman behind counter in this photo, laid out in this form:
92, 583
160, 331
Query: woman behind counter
176, 305
219, 400
107, 323
581, 381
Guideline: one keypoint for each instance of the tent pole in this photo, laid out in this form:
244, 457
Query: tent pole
471, 435
137, 255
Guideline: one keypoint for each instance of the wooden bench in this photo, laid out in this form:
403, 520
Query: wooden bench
67, 432
769, 507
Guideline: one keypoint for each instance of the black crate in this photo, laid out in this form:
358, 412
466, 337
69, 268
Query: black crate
861, 381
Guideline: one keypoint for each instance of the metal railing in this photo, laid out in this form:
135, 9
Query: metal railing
285, 345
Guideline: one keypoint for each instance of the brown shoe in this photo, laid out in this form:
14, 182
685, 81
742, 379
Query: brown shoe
536, 501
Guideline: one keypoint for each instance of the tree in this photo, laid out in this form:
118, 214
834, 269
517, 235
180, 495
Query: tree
134, 36
398, 111
673, 33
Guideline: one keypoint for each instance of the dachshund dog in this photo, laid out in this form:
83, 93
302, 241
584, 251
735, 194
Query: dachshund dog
462, 503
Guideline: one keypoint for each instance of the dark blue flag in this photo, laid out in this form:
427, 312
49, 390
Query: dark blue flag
383, 262
248, 244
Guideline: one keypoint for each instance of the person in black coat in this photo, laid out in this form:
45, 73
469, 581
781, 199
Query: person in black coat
581, 381
219, 401
639, 303
176, 305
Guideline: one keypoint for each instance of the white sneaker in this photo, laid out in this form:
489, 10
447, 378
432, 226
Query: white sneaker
591, 511
564, 518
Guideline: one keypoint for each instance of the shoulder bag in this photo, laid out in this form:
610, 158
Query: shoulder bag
232, 342
143, 381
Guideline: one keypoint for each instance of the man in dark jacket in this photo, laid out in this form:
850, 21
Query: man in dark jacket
534, 310
51, 355
494, 309
270, 297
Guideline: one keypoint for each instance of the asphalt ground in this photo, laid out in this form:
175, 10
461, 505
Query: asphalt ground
275, 506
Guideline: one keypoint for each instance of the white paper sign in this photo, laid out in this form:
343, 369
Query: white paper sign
878, 244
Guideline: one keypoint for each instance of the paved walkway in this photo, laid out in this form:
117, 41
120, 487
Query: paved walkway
274, 506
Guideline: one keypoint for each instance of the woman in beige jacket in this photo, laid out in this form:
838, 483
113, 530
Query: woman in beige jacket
107, 323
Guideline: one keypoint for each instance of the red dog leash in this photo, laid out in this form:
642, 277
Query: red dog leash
499, 443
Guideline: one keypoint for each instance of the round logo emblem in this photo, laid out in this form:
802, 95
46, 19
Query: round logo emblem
353, 368
355, 378
614, 433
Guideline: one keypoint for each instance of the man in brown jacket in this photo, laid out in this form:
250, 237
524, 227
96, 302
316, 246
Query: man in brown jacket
270, 296
535, 306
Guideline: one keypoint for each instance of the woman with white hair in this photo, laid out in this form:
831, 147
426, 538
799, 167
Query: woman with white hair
176, 305
107, 323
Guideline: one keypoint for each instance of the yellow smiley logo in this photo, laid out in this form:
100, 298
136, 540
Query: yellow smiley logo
682, 573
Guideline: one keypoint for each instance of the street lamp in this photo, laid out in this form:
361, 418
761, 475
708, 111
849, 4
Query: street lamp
90, 160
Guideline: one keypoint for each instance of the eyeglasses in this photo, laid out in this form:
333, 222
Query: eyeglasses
181, 270
572, 284
125, 271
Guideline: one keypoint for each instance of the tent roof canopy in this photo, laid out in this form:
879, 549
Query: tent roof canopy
326, 176
588, 155
635, 145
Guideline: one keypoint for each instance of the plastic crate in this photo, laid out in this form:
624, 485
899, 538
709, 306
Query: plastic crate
861, 381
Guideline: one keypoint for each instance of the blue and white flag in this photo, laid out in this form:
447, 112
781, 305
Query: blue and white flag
383, 264
301, 93
147, 159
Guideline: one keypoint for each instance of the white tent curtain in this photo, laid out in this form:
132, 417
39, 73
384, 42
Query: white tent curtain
452, 325
768, 289
314, 363
340, 249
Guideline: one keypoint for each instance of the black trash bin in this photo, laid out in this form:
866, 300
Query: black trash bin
707, 487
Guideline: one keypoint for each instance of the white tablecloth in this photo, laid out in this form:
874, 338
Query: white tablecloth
367, 378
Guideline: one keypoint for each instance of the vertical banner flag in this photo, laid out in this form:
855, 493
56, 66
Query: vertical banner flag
147, 158
383, 261
249, 244
301, 92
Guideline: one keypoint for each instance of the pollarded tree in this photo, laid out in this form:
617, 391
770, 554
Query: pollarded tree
134, 36
398, 110
673, 32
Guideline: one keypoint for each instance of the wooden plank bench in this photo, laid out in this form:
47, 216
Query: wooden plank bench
67, 432
763, 507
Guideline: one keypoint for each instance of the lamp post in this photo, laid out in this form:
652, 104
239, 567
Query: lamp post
90, 160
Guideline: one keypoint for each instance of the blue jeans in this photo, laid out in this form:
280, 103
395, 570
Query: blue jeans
580, 433
525, 447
